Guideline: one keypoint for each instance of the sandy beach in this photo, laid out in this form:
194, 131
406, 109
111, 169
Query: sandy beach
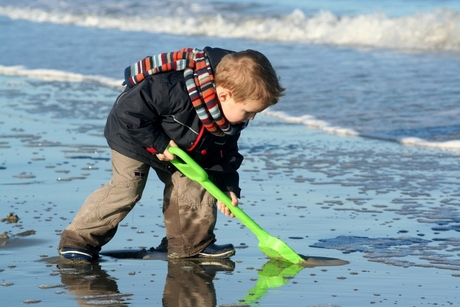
385, 217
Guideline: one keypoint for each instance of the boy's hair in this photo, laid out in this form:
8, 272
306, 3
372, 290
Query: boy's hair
249, 75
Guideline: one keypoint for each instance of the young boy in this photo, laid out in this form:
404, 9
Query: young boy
198, 100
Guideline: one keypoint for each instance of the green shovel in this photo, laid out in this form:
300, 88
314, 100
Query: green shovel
269, 245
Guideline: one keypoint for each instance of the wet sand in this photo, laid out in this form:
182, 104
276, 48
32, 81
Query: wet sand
389, 212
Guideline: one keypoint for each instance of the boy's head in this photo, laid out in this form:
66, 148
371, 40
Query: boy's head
246, 77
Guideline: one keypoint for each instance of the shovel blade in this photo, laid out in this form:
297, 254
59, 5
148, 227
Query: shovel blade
277, 249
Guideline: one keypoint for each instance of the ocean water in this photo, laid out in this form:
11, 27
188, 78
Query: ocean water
386, 70
359, 160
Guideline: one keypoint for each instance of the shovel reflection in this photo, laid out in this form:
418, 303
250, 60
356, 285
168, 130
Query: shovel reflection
275, 274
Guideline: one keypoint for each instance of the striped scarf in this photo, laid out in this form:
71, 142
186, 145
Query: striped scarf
199, 80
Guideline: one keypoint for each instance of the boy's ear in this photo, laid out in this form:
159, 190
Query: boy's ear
223, 94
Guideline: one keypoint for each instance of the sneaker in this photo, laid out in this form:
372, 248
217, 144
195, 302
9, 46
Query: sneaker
77, 254
217, 251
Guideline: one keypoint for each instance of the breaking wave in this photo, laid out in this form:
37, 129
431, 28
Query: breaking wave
435, 30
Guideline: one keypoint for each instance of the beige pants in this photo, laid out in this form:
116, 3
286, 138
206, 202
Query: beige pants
189, 210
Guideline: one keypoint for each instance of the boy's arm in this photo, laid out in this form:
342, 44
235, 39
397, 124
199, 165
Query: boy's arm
229, 180
139, 115
230, 163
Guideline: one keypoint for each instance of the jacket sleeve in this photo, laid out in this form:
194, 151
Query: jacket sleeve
139, 115
225, 175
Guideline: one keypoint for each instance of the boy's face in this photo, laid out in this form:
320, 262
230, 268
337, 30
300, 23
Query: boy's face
238, 112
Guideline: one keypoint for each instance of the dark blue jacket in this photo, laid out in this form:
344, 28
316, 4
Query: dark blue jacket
146, 117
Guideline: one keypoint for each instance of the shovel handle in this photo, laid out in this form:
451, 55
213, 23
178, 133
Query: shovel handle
188, 166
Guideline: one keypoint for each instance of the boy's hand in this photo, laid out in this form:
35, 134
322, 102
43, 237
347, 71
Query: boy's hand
166, 155
224, 208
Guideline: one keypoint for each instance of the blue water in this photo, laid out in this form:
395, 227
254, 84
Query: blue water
385, 70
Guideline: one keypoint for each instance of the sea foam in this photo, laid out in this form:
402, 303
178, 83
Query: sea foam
56, 75
435, 30
312, 122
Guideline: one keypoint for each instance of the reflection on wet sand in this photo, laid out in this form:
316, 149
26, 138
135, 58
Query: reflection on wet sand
275, 274
189, 282
91, 285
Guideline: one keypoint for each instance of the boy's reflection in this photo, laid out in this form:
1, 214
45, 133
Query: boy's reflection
188, 283
91, 285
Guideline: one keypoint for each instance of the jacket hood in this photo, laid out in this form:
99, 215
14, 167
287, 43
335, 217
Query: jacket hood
215, 55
